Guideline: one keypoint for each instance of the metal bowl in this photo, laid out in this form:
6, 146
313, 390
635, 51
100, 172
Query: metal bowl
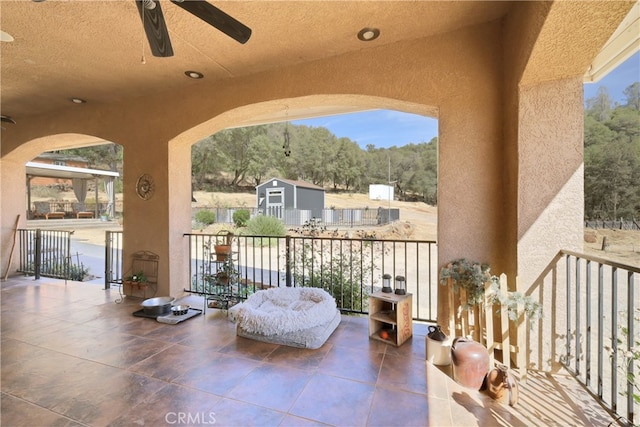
179, 310
157, 306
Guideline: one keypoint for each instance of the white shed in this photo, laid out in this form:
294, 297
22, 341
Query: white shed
381, 192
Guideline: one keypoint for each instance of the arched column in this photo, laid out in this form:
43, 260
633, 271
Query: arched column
158, 223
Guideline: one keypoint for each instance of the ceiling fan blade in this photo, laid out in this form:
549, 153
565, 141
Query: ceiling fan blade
214, 16
156, 29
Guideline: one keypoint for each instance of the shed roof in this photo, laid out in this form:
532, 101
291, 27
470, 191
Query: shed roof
295, 183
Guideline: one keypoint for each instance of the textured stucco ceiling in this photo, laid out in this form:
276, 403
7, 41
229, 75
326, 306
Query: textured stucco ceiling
93, 49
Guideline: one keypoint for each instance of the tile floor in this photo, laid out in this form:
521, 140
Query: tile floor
71, 356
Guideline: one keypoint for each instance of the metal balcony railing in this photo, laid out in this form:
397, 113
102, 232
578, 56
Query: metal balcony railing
45, 253
591, 326
349, 269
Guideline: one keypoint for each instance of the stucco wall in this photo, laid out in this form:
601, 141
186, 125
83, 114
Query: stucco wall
550, 177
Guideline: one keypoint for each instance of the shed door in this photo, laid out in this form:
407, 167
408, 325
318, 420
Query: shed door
275, 202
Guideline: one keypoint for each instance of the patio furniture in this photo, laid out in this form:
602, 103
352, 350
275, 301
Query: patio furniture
41, 209
296, 317
54, 215
84, 215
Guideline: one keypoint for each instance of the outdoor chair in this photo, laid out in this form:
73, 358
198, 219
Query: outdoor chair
41, 209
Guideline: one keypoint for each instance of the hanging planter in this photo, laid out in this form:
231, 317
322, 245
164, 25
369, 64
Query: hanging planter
222, 252
222, 247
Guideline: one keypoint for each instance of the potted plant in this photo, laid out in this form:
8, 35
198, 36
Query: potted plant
226, 272
222, 246
473, 276
138, 280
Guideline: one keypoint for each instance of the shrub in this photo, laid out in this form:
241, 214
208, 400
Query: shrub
341, 273
206, 217
241, 217
262, 225
78, 272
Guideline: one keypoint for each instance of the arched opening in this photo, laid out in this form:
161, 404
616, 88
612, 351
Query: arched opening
69, 198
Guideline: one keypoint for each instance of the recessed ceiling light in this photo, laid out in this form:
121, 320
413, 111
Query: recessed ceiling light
78, 100
5, 37
368, 34
194, 74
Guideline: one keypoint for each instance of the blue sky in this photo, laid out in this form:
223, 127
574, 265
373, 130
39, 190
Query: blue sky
386, 128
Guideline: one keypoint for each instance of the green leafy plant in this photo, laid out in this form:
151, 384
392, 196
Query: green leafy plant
339, 273
205, 217
312, 227
473, 276
139, 277
468, 275
241, 217
511, 300
630, 356
78, 272
263, 225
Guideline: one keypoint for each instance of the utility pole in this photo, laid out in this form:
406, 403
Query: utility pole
389, 191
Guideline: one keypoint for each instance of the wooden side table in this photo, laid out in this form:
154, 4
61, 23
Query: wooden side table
390, 318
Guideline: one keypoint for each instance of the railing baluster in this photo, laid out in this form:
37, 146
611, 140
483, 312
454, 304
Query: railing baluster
600, 329
588, 323
37, 258
614, 338
568, 296
630, 344
578, 301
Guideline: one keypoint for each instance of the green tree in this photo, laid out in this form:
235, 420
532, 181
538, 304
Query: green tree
348, 165
612, 158
596, 133
600, 106
632, 94
261, 156
206, 159
236, 150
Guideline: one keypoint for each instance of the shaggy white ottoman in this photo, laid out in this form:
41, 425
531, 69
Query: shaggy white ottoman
297, 317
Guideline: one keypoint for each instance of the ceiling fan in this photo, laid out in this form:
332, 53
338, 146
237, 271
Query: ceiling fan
156, 28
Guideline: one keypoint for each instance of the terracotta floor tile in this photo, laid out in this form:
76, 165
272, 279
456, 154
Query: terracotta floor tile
335, 401
352, 363
249, 349
172, 404
232, 413
218, 375
17, 412
300, 358
130, 352
404, 373
274, 387
173, 362
398, 408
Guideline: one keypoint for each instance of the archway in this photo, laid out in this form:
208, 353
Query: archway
64, 209
178, 179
